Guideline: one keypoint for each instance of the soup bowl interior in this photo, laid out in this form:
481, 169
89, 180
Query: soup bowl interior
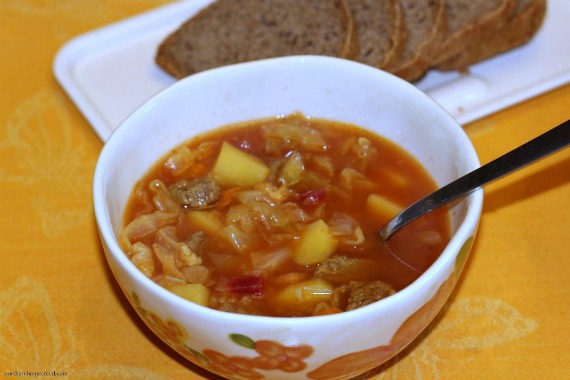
327, 347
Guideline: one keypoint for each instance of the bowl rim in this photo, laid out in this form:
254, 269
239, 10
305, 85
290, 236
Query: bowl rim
465, 230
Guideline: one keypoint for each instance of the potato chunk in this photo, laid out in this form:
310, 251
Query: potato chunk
208, 221
304, 294
315, 244
238, 168
382, 208
196, 293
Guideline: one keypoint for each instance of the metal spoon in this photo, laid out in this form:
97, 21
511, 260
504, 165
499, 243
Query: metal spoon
549, 142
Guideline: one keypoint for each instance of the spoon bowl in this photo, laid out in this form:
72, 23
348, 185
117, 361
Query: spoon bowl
548, 143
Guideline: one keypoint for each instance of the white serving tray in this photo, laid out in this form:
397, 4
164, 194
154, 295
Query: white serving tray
109, 72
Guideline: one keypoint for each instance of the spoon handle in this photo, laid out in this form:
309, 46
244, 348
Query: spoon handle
549, 142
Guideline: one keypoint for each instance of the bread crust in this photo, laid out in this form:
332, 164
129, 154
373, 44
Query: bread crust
467, 34
522, 25
351, 42
418, 55
381, 31
398, 38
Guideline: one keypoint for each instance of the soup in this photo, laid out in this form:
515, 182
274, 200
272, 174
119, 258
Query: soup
279, 217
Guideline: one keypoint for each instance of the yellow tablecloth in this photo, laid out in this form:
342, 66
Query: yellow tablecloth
61, 310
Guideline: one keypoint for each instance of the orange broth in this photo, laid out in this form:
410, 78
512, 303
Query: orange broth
244, 253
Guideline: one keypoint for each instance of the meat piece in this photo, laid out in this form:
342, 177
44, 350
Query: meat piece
342, 269
238, 304
195, 240
196, 193
365, 293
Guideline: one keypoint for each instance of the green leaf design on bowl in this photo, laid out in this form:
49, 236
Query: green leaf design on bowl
198, 355
136, 298
243, 341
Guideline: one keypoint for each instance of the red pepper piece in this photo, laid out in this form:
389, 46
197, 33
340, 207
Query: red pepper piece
312, 197
247, 285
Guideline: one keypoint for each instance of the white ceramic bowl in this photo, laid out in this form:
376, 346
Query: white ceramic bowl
326, 347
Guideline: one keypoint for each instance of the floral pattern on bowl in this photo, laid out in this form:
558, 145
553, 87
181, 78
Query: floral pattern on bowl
352, 364
272, 355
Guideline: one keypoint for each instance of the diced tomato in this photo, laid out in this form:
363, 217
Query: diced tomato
247, 285
312, 197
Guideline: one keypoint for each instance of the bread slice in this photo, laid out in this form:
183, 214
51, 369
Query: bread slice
380, 29
466, 20
524, 22
233, 31
426, 22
